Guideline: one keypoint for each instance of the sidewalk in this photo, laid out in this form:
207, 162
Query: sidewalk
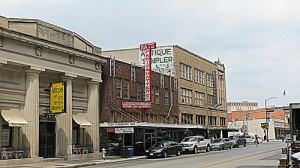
48, 163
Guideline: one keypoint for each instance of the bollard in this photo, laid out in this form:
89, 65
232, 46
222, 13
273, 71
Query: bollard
103, 153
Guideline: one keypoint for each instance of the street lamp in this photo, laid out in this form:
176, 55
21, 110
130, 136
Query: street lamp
267, 115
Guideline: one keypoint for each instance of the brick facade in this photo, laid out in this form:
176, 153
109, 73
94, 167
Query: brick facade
111, 105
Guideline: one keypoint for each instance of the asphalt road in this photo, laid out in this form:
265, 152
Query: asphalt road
266, 155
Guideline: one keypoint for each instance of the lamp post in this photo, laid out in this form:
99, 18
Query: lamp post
267, 115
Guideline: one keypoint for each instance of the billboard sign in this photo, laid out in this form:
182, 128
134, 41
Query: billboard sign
162, 59
58, 97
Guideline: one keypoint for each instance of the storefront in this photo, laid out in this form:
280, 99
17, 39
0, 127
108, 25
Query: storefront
141, 135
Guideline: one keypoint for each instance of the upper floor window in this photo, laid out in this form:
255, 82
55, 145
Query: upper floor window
157, 95
185, 96
198, 76
126, 90
185, 71
166, 97
138, 92
209, 80
118, 88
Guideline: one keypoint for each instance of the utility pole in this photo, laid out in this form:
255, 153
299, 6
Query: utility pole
268, 117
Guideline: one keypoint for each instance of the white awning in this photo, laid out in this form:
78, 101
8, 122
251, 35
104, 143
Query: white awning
81, 120
14, 118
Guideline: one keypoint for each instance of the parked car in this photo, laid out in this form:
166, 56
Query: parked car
238, 140
164, 149
251, 138
221, 144
194, 144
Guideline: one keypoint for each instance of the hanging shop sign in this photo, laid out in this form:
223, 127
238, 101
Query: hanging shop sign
128, 130
138, 105
58, 97
146, 49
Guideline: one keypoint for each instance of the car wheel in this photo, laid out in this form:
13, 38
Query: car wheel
207, 148
245, 145
231, 146
178, 153
165, 154
195, 149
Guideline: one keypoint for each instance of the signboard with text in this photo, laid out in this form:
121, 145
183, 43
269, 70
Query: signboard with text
146, 49
136, 104
123, 130
58, 97
162, 59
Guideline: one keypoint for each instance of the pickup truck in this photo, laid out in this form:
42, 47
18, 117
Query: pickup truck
194, 144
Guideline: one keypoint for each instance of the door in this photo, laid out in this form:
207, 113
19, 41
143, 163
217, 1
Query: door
47, 139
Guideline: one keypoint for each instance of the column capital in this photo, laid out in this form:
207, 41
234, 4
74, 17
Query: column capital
67, 76
2, 62
93, 81
34, 69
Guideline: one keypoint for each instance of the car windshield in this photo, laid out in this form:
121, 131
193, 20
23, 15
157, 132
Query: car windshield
217, 140
158, 145
189, 139
233, 137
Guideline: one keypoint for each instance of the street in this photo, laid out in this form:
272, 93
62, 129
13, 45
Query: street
266, 155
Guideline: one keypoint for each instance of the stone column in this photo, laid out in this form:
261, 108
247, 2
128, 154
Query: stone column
93, 115
64, 122
31, 111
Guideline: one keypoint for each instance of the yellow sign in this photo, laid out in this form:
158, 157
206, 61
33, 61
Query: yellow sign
57, 97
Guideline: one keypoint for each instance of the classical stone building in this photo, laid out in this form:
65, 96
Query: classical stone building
33, 55
201, 84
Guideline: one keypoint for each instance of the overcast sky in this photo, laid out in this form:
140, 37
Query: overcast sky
257, 40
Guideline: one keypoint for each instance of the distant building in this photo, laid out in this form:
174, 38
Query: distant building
250, 121
241, 106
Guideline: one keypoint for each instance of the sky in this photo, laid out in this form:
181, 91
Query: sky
258, 41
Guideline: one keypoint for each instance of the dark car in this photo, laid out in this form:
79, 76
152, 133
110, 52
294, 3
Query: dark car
238, 140
221, 144
164, 149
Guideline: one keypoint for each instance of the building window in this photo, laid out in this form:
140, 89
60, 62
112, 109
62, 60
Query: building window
198, 76
185, 96
200, 120
223, 121
157, 95
186, 118
118, 88
138, 92
166, 97
209, 80
126, 90
209, 100
185, 71
212, 121
152, 94
199, 99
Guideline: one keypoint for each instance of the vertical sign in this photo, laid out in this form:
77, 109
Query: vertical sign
148, 71
58, 97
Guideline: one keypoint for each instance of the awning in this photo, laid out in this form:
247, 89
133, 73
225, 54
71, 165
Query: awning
81, 120
14, 118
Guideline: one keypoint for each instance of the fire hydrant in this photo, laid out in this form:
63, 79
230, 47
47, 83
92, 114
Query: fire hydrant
103, 153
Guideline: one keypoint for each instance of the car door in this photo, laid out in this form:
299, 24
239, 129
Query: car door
173, 148
202, 142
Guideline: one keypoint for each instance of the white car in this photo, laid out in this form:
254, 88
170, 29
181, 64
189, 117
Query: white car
252, 139
194, 144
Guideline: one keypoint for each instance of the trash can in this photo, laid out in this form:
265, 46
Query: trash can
127, 152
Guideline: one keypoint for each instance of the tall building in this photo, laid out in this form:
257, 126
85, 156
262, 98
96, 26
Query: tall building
201, 84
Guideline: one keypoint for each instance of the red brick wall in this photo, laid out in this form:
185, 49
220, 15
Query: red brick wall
109, 102
257, 114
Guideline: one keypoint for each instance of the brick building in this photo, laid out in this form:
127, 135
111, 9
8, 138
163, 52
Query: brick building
201, 85
123, 83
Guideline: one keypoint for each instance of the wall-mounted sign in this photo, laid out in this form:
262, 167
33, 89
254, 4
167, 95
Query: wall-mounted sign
146, 49
125, 130
136, 104
58, 97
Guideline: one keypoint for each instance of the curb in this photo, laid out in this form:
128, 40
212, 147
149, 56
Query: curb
98, 162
